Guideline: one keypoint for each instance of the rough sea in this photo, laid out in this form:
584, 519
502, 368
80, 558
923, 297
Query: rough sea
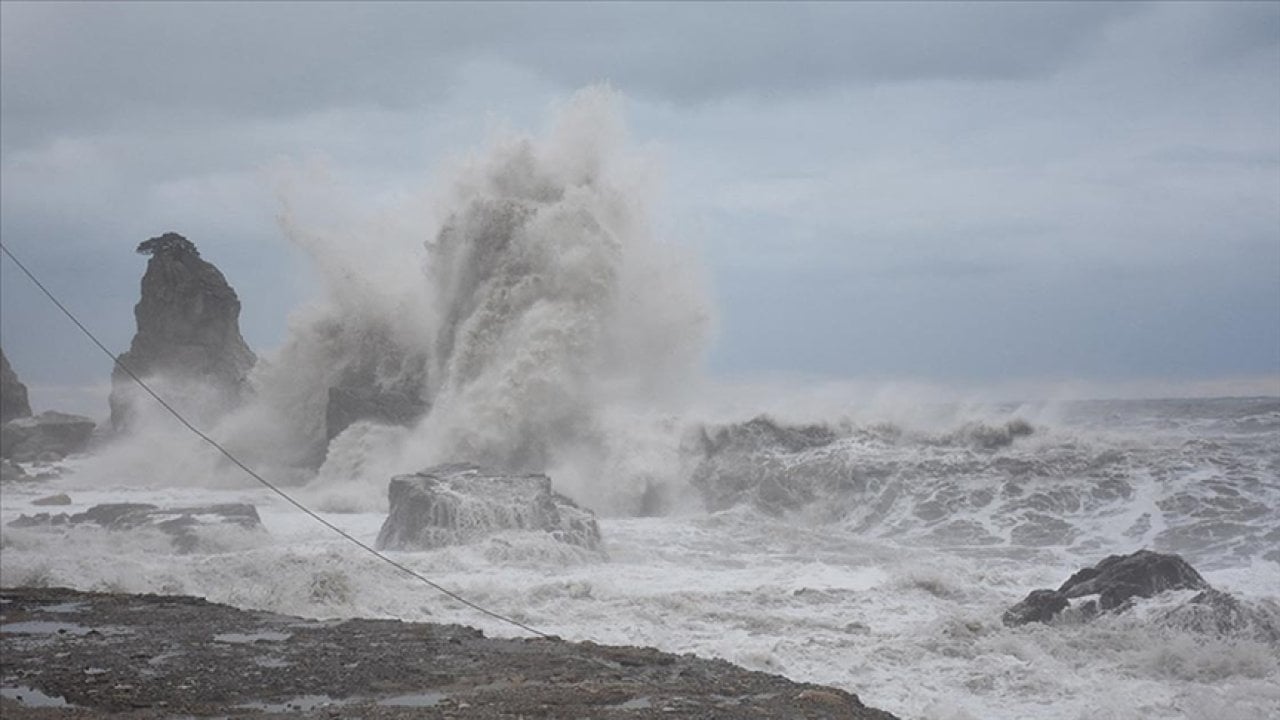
890, 586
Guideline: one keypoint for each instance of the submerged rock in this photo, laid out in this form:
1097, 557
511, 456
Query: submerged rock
456, 504
180, 523
13, 394
48, 436
1214, 612
1115, 581
188, 329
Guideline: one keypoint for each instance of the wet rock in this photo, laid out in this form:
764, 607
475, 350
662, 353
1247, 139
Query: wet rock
188, 331
352, 403
59, 499
13, 394
182, 523
163, 653
1115, 581
1039, 606
46, 437
1143, 574
455, 504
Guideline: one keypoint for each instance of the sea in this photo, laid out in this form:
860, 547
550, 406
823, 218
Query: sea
867, 541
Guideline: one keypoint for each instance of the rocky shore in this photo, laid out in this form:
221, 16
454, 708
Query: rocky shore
70, 654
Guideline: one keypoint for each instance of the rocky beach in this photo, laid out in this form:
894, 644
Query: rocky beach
69, 654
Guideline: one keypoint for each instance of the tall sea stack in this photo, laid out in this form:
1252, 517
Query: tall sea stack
188, 335
13, 394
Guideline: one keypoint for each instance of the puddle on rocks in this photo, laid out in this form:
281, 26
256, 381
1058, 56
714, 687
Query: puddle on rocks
44, 627
271, 662
302, 703
250, 638
417, 700
32, 697
67, 607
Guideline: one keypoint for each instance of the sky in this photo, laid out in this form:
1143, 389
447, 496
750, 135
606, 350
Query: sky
951, 193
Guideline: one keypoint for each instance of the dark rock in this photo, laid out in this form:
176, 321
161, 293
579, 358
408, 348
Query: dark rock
1039, 606
180, 523
163, 652
455, 504
1119, 578
59, 499
353, 403
188, 330
380, 380
47, 436
13, 394
1115, 581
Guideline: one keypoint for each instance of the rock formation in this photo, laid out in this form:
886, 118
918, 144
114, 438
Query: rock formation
381, 381
45, 437
1115, 581
13, 394
188, 330
1111, 586
455, 504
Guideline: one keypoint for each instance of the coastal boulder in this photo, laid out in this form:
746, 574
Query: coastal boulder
188, 331
13, 394
182, 524
457, 504
48, 436
1115, 582
1038, 606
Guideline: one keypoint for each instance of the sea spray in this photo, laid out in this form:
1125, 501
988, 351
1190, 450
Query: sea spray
541, 317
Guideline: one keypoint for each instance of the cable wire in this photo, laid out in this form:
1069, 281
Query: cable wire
270, 486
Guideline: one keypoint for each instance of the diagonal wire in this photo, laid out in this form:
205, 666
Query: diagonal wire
270, 486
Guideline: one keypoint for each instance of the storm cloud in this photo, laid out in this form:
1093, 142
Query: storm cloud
954, 192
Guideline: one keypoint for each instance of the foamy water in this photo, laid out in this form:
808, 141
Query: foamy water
888, 608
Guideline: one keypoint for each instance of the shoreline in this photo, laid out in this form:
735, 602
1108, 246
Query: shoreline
89, 654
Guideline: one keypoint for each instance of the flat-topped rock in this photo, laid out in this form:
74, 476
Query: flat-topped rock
181, 523
457, 504
166, 657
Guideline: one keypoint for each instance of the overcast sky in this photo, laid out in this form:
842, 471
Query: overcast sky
950, 193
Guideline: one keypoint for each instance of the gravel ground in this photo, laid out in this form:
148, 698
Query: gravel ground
70, 654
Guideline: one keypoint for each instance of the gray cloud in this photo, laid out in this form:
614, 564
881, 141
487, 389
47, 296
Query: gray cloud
67, 66
942, 190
